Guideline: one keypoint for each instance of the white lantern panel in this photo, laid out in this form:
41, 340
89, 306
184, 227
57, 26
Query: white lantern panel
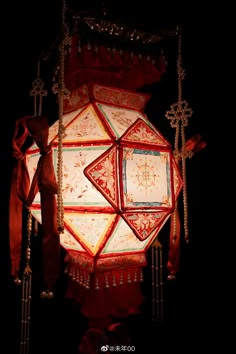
123, 240
67, 119
118, 119
85, 128
53, 129
32, 162
146, 178
68, 241
140, 132
91, 229
77, 190
37, 215
178, 182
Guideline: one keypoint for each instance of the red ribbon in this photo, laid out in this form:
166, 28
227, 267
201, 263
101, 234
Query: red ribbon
99, 306
44, 181
195, 143
20, 183
22, 194
173, 262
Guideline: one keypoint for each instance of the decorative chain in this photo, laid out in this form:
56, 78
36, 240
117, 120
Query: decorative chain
27, 269
61, 128
26, 294
113, 29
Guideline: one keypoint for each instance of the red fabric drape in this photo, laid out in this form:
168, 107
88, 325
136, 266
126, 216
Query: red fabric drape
99, 306
195, 143
173, 262
22, 194
18, 193
44, 181
110, 67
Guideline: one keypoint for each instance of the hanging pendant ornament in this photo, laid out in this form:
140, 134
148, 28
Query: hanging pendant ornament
38, 93
179, 114
157, 281
61, 128
26, 293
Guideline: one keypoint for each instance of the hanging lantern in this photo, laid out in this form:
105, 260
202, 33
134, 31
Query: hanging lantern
120, 185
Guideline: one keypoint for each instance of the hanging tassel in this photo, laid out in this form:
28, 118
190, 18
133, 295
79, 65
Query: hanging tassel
173, 262
161, 286
44, 182
157, 282
26, 295
20, 184
61, 128
178, 115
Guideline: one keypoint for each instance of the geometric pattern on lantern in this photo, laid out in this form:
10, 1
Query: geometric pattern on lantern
91, 229
141, 132
67, 239
146, 178
120, 179
117, 119
53, 130
178, 182
103, 175
69, 242
127, 123
32, 158
86, 127
78, 191
124, 241
144, 223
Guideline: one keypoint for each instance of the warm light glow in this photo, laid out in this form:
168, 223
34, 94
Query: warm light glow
120, 179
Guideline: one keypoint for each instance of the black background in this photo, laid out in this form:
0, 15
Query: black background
31, 27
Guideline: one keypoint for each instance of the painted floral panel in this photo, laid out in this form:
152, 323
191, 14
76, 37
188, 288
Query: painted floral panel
146, 178
77, 190
91, 229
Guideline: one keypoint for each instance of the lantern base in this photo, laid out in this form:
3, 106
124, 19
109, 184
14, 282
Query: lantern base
116, 293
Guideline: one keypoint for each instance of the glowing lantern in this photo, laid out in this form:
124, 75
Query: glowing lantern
120, 184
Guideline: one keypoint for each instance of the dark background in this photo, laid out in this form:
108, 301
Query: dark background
57, 325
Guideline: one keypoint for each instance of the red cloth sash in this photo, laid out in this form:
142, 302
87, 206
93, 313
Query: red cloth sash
101, 305
173, 263
195, 144
18, 193
22, 194
44, 181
